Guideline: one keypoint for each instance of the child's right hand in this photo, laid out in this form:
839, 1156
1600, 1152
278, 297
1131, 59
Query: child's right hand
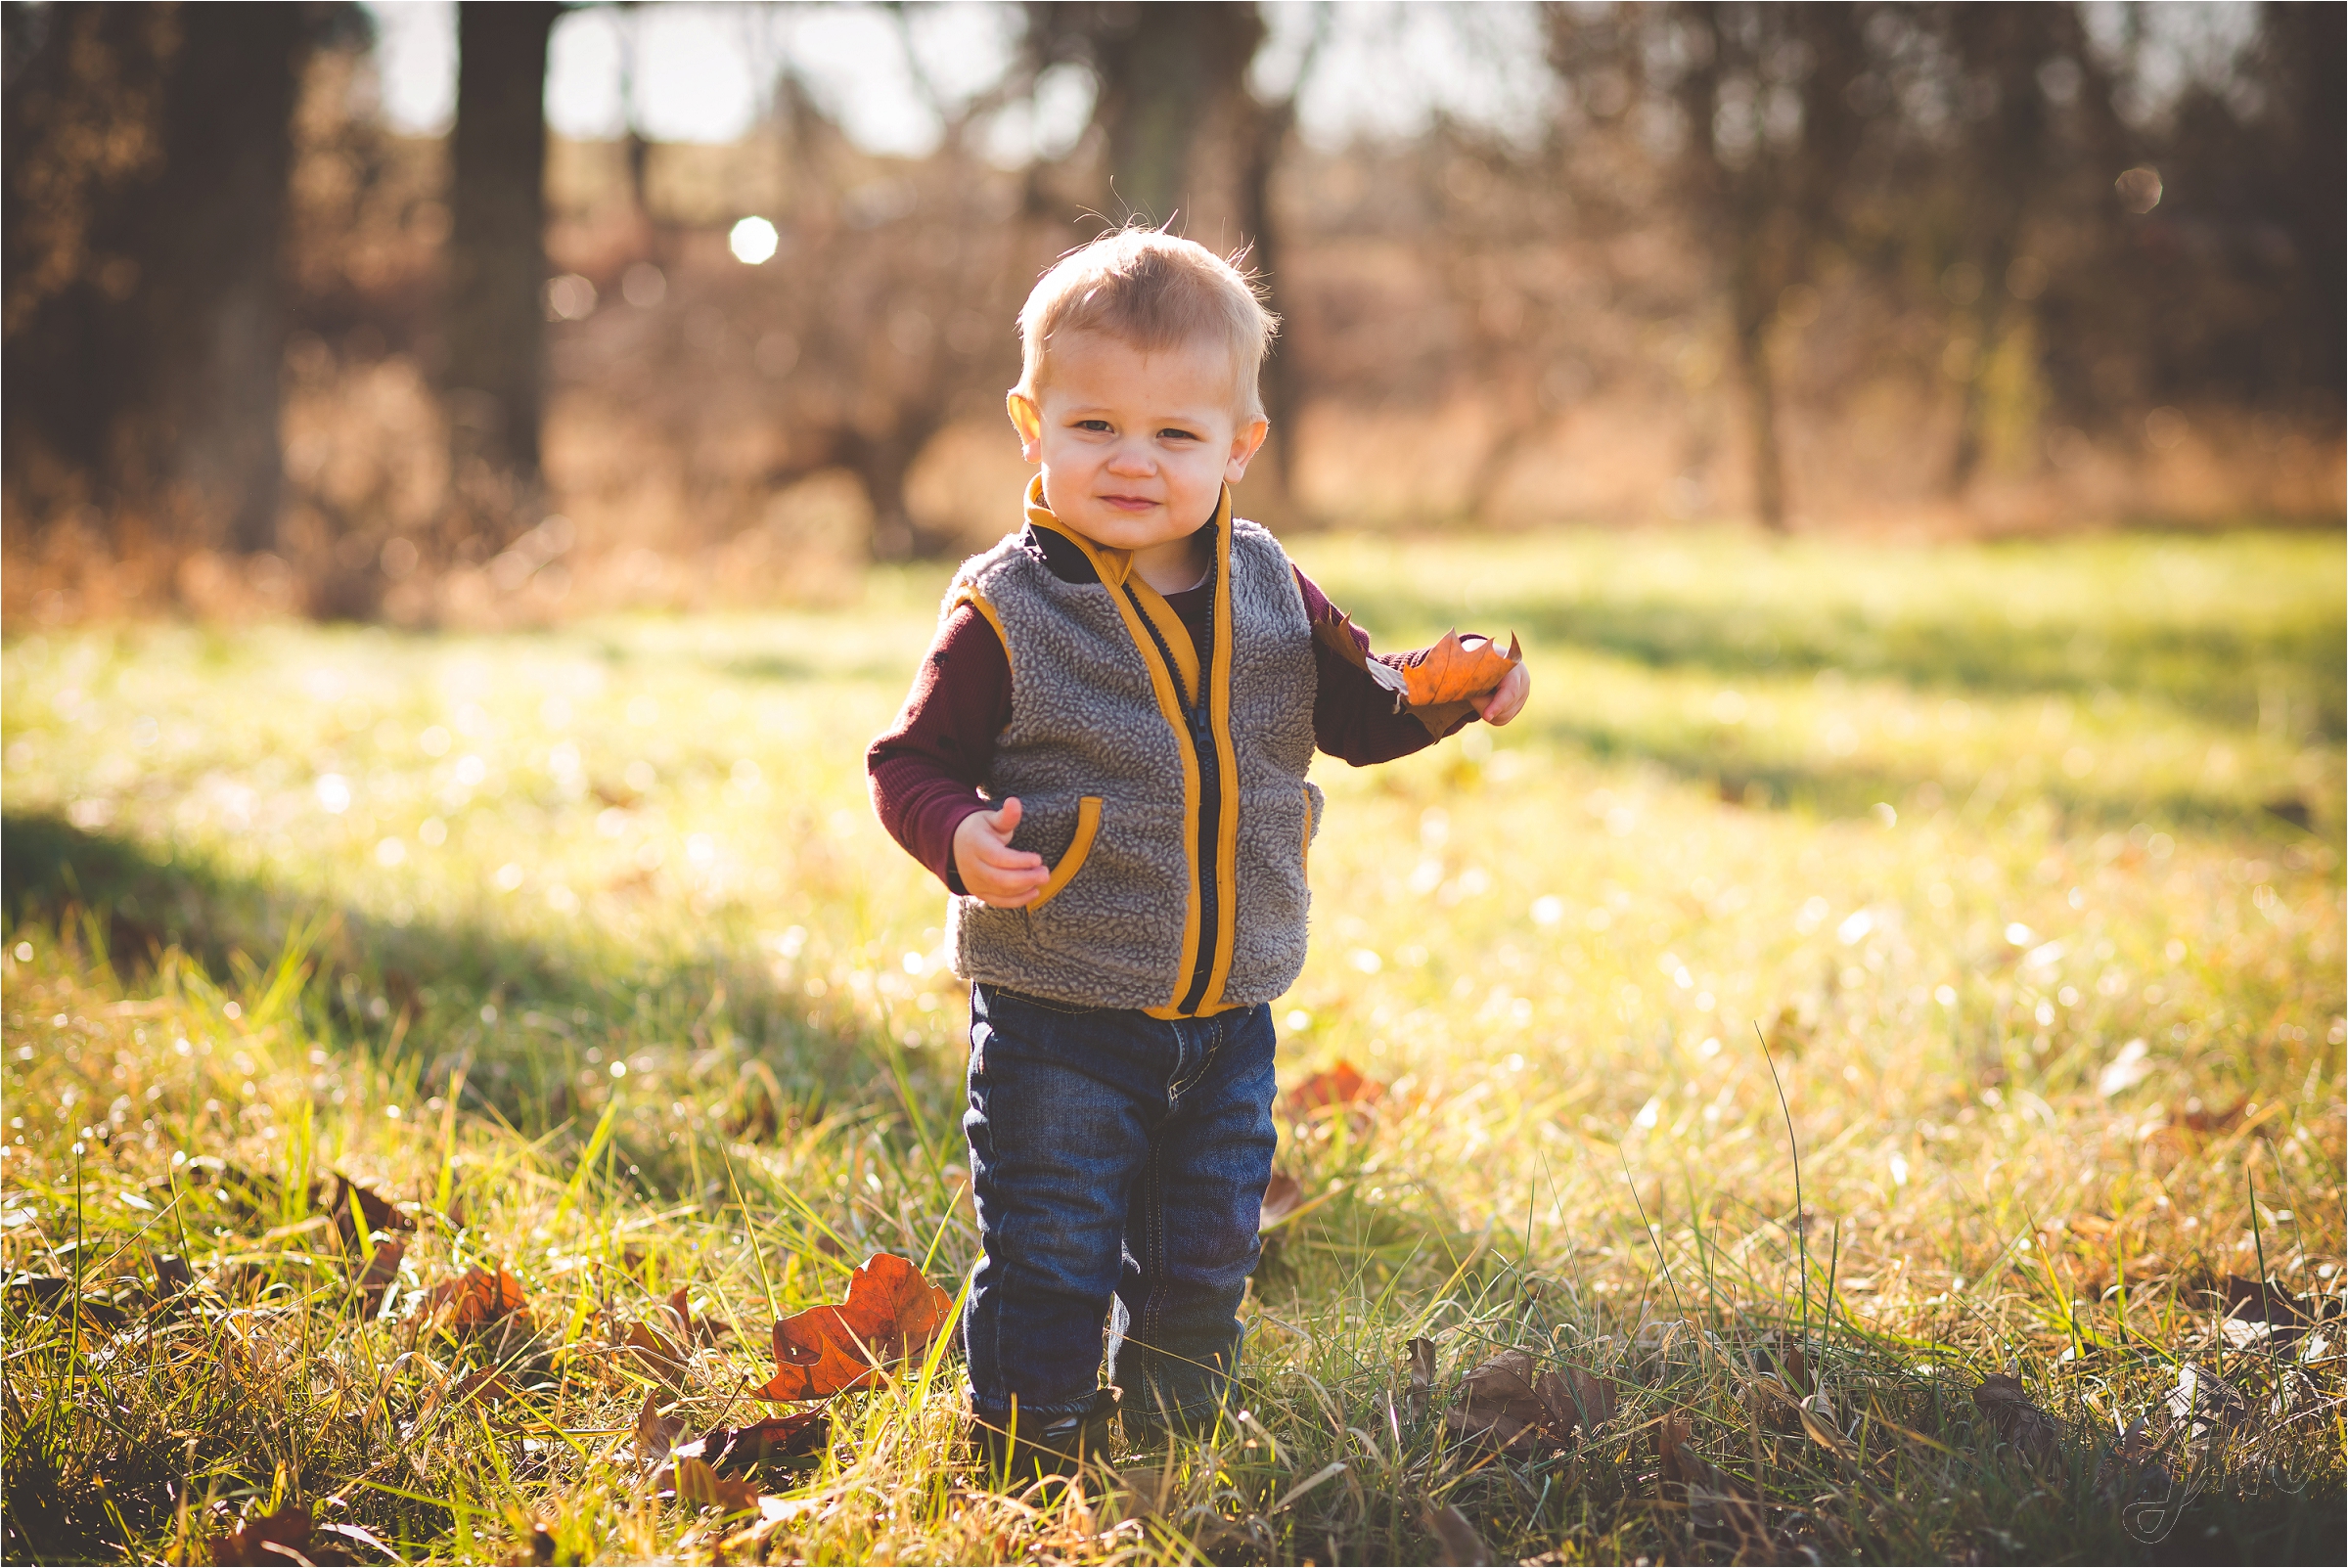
992, 871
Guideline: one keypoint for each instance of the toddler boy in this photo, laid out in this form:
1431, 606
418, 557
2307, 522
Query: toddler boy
1103, 758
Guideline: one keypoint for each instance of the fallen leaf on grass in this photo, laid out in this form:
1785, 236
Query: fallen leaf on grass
2200, 1401
1422, 1385
2256, 1311
2034, 1434
488, 1384
892, 1312
1284, 1196
1340, 1085
799, 1435
381, 1273
271, 1537
1461, 1543
2133, 1467
1514, 1403
655, 1433
1717, 1503
476, 1298
696, 1482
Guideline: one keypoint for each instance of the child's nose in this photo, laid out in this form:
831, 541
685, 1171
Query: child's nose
1131, 457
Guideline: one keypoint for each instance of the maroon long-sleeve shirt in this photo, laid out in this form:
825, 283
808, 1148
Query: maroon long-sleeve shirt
925, 769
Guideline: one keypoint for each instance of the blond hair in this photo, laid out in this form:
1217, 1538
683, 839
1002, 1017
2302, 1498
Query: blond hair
1153, 291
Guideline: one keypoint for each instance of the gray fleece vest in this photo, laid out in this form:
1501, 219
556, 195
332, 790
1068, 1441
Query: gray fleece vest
1117, 768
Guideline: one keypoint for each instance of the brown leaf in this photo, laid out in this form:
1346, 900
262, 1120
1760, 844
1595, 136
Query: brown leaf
1458, 1538
655, 1433
2034, 1434
1284, 1196
1458, 668
651, 1350
778, 1438
1518, 1406
2284, 1315
1421, 1386
891, 1313
695, 1482
381, 1275
487, 1383
476, 1298
1340, 1085
1718, 1505
1336, 632
2133, 1467
1594, 1393
274, 1538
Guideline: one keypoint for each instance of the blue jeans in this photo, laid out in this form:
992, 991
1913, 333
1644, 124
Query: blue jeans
1119, 1164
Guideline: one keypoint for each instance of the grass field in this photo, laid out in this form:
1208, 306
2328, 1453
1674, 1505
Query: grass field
584, 946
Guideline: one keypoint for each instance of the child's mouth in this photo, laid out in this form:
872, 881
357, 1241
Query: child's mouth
1129, 503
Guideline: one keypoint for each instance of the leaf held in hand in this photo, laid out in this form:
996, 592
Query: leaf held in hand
258, 1539
2034, 1434
891, 1313
1458, 668
1336, 631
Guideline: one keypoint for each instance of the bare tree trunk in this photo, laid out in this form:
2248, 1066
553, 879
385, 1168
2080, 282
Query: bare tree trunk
146, 310
1166, 70
493, 379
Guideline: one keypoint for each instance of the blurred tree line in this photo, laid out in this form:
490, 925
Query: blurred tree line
1756, 215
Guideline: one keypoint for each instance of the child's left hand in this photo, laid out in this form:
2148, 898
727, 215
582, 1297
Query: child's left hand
1506, 700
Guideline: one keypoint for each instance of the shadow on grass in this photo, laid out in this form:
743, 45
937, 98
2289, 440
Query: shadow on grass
2225, 671
1747, 780
527, 1020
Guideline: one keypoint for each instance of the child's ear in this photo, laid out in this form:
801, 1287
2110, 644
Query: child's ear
1244, 446
1028, 420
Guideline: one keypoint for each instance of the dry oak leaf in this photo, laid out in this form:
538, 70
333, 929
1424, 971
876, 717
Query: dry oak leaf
271, 1537
1514, 1403
1283, 1195
1462, 1545
1717, 1503
1340, 1085
378, 1277
696, 1482
476, 1298
655, 1433
892, 1312
1422, 1384
2034, 1434
1458, 668
796, 1436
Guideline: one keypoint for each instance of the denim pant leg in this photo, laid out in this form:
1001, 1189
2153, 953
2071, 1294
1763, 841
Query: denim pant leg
1060, 1106
1190, 1232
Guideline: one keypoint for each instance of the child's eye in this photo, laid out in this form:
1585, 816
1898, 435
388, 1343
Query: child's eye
1173, 432
1091, 425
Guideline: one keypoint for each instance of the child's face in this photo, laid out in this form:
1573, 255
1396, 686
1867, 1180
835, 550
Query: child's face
1135, 447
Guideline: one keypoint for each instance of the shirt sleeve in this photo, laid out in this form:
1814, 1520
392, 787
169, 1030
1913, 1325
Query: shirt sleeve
1354, 718
925, 768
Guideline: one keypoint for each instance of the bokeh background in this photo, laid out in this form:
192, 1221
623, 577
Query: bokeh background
469, 315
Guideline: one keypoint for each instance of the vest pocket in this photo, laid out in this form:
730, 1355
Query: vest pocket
1088, 828
1308, 831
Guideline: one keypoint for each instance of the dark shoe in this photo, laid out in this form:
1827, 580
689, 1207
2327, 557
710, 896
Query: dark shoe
1060, 1446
